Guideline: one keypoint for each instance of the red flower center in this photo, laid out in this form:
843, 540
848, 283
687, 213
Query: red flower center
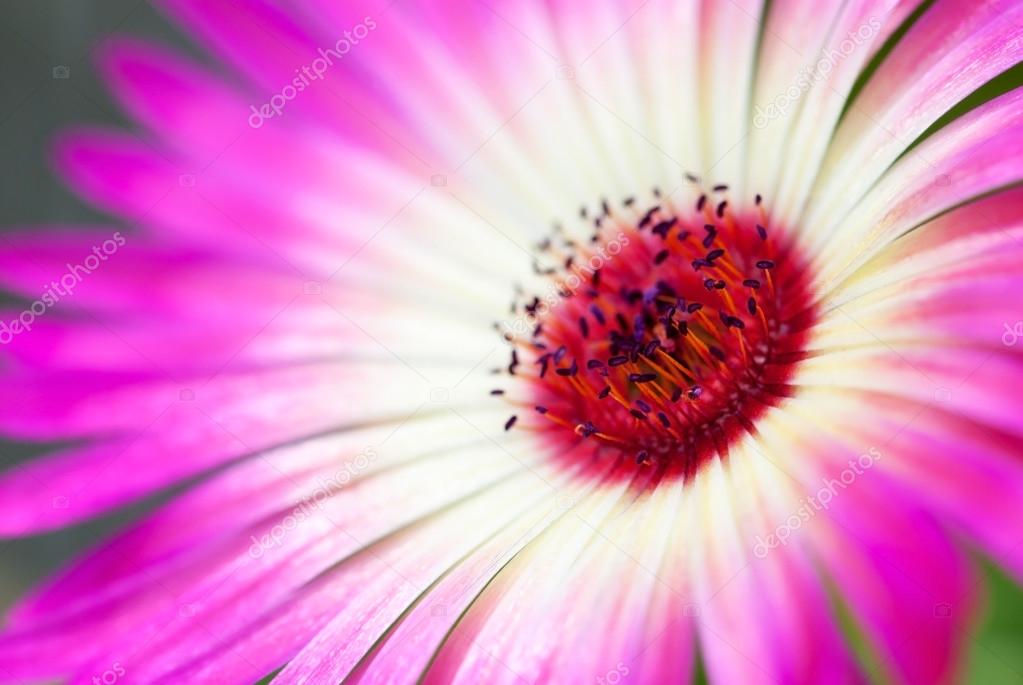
665, 337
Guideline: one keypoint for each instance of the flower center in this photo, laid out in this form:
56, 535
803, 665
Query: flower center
664, 335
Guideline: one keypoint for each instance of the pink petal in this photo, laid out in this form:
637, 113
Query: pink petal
902, 578
180, 436
220, 590
761, 618
951, 51
546, 616
973, 156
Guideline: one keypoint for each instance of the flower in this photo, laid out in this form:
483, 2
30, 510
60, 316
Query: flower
754, 395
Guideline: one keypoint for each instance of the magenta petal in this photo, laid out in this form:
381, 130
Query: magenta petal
902, 578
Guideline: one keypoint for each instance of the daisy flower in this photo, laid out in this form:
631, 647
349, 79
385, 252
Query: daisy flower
529, 342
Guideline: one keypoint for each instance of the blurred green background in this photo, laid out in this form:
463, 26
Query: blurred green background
38, 37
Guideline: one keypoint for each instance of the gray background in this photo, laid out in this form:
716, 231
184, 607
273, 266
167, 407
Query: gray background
35, 37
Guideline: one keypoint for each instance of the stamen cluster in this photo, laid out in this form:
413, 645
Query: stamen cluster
669, 334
